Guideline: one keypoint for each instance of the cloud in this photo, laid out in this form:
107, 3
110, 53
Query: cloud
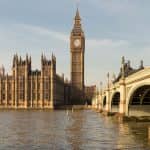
91, 42
25, 38
107, 43
113, 28
44, 32
102, 54
22, 32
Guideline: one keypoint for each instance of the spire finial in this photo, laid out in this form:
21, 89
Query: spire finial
77, 17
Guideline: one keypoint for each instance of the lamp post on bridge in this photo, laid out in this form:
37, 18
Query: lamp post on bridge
108, 76
101, 87
107, 109
122, 106
100, 96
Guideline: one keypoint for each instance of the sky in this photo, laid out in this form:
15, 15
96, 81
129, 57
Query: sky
113, 28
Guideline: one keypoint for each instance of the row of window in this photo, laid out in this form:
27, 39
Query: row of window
21, 85
22, 96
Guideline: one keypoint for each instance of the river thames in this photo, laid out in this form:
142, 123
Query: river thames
62, 130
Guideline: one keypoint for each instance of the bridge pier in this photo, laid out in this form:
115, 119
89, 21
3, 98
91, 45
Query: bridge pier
100, 107
122, 105
108, 105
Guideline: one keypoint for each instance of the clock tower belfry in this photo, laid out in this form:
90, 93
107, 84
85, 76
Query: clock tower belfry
77, 47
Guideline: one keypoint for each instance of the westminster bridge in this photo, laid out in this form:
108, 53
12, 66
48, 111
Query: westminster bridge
128, 94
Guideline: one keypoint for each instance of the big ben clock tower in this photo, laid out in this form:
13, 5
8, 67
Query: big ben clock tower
77, 47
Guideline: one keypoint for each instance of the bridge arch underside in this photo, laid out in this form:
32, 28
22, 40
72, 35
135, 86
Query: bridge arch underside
104, 103
139, 104
115, 102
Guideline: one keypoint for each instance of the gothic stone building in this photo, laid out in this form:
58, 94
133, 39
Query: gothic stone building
26, 88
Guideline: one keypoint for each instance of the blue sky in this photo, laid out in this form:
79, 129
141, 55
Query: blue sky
113, 28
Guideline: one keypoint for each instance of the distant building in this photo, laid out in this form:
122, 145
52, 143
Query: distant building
27, 88
90, 92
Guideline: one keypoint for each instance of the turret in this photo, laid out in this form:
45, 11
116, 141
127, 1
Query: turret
24, 65
123, 67
27, 60
2, 71
54, 63
141, 65
47, 64
15, 60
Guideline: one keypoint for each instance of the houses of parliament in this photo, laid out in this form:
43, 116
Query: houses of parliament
27, 88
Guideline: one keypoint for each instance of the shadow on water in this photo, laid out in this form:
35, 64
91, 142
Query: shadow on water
61, 130
74, 130
131, 135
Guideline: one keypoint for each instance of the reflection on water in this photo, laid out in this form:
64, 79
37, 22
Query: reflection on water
58, 130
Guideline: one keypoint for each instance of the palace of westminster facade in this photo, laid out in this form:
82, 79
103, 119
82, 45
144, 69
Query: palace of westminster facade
27, 88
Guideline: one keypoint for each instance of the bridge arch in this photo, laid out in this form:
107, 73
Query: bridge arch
104, 102
115, 101
138, 100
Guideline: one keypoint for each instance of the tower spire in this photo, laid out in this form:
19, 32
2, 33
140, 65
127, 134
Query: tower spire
77, 21
77, 17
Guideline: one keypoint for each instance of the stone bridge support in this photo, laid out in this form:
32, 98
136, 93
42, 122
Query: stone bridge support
108, 103
122, 105
100, 104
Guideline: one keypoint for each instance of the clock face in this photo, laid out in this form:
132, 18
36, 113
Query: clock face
77, 43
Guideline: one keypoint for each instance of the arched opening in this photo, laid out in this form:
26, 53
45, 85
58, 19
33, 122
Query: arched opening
115, 102
104, 102
139, 104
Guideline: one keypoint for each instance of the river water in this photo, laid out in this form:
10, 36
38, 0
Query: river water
61, 130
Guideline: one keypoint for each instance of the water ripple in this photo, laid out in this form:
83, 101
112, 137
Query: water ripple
57, 130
